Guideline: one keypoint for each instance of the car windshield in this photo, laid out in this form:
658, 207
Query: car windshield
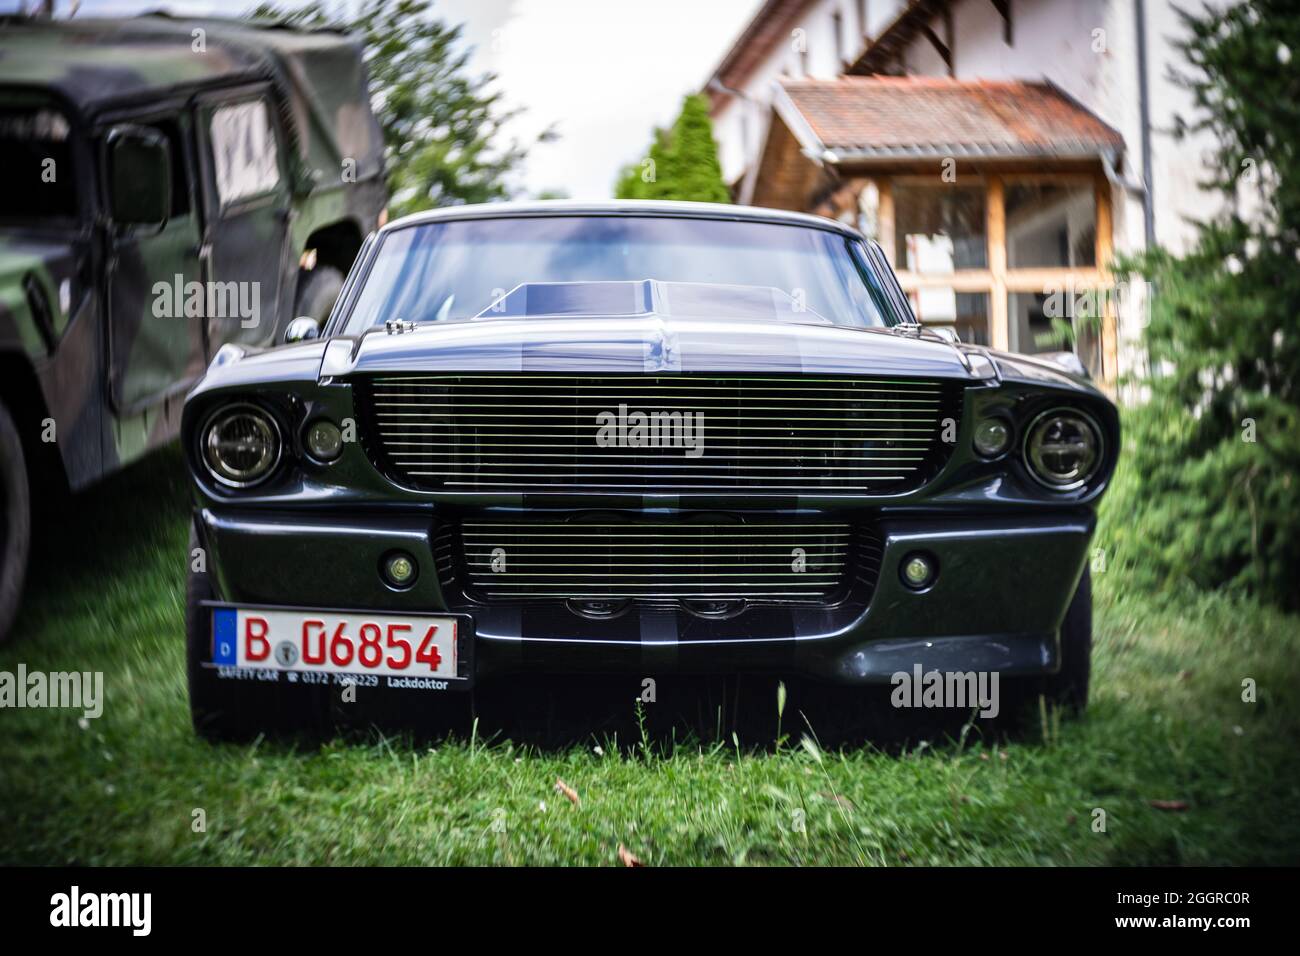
455, 270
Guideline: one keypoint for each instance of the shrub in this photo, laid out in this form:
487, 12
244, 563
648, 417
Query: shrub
1210, 492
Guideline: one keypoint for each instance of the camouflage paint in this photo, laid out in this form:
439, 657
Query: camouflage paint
67, 373
112, 374
47, 261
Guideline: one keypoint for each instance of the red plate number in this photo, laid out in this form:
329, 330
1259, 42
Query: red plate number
373, 641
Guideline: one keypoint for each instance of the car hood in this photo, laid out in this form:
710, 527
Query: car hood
648, 344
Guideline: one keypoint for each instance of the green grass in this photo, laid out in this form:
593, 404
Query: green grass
1167, 723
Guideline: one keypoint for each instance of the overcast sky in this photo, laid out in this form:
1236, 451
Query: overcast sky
604, 71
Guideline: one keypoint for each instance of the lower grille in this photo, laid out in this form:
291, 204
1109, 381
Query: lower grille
660, 561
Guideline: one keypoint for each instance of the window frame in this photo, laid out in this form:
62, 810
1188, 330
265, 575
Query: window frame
865, 254
997, 279
207, 111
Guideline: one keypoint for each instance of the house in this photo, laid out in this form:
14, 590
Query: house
1002, 152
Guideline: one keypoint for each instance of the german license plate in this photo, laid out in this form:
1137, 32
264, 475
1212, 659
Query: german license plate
305, 641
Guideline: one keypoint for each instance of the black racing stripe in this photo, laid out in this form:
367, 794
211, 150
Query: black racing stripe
509, 621
769, 352
521, 357
658, 639
788, 651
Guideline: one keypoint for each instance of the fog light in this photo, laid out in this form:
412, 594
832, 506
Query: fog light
324, 440
992, 437
400, 569
917, 571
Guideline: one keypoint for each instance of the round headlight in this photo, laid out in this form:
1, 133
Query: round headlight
241, 446
1063, 449
324, 440
992, 436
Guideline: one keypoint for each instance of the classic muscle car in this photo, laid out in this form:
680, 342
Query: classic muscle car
631, 438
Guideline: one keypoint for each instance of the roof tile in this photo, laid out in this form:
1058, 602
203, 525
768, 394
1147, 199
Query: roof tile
941, 116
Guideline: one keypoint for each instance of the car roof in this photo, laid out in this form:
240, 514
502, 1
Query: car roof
98, 64
618, 207
93, 62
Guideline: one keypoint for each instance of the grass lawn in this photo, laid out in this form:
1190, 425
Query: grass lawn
1167, 723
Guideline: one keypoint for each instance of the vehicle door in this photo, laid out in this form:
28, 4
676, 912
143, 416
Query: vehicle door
155, 342
247, 210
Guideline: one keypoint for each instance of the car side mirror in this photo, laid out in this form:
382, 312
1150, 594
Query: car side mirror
301, 329
139, 177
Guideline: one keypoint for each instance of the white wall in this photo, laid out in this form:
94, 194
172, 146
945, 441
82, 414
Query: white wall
1089, 49
1178, 167
1086, 47
740, 124
1052, 39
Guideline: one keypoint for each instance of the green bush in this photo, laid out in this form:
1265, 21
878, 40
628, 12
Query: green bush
1209, 491
683, 162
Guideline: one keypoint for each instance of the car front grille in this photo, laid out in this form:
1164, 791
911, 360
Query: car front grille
543, 432
657, 560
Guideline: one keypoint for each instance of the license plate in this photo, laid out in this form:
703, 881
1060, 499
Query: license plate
390, 645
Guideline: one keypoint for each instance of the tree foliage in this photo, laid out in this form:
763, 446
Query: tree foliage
441, 125
682, 163
1213, 488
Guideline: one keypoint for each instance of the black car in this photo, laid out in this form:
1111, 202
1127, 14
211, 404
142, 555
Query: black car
631, 438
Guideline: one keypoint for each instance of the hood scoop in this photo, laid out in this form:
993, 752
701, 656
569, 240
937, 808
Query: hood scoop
648, 298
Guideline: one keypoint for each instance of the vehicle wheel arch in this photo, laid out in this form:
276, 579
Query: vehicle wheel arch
336, 244
21, 394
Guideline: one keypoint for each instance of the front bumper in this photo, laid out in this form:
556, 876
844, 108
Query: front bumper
997, 604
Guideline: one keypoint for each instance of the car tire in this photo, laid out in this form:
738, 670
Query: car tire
15, 522
239, 710
211, 707
318, 290
1068, 687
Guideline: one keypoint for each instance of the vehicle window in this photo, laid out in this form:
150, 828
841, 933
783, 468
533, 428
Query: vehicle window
36, 165
244, 151
448, 271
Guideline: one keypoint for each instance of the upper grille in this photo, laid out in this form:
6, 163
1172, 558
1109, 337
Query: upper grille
538, 432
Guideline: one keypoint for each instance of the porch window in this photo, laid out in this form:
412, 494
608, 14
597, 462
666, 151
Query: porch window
1050, 224
1007, 259
966, 313
940, 230
1063, 320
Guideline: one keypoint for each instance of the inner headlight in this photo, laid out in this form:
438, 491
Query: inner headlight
241, 445
992, 436
1063, 448
324, 440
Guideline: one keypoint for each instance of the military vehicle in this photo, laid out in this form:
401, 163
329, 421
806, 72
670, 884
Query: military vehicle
169, 186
